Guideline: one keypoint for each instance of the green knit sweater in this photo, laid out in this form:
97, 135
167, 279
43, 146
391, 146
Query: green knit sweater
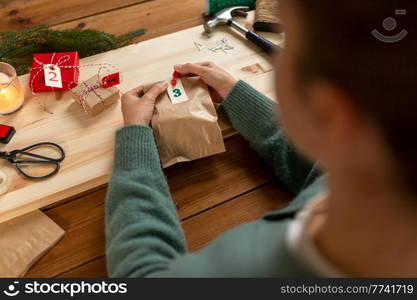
144, 235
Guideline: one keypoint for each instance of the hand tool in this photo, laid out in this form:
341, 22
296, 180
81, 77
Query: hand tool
226, 17
29, 162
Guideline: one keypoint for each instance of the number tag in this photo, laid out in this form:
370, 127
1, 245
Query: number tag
52, 76
177, 93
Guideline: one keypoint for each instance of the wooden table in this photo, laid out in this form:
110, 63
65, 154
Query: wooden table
235, 183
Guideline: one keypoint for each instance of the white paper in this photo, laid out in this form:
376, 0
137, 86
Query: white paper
52, 76
177, 93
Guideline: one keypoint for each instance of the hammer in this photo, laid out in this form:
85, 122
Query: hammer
226, 15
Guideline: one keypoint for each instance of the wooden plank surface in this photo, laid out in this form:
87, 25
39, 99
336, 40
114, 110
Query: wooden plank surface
201, 229
205, 227
157, 17
88, 141
93, 269
202, 185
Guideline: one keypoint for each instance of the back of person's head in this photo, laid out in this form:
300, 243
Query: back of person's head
369, 49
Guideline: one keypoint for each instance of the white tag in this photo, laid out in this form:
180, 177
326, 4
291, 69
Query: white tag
52, 76
177, 93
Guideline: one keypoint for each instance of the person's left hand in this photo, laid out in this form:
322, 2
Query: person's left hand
138, 106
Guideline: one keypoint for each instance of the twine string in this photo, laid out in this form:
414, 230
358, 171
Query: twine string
267, 11
86, 92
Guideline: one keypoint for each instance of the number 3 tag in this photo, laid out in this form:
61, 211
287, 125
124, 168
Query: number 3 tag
52, 76
177, 93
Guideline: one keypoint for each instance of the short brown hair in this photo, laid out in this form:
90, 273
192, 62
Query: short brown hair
380, 76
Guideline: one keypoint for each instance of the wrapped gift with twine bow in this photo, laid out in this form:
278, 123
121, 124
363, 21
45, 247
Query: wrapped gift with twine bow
96, 94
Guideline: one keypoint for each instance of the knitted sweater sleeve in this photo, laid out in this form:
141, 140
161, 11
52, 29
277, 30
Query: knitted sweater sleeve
255, 117
143, 232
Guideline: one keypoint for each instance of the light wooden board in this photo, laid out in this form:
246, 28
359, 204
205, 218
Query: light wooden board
88, 141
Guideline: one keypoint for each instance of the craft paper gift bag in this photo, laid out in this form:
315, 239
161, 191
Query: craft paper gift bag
189, 130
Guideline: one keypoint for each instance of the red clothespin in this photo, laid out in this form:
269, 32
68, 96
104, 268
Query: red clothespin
175, 77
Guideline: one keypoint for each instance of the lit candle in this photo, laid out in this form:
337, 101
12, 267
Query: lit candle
11, 93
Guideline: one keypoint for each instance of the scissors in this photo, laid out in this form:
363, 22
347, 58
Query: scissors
24, 157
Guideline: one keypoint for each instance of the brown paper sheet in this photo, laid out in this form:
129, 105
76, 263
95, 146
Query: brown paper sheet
188, 130
24, 240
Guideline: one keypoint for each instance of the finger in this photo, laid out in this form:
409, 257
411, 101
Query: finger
179, 68
191, 69
137, 91
155, 91
206, 64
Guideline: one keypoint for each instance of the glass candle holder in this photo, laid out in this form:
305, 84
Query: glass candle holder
11, 92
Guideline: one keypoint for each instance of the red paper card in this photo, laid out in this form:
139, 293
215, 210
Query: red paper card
110, 80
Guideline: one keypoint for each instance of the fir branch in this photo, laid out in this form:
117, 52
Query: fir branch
17, 47
123, 40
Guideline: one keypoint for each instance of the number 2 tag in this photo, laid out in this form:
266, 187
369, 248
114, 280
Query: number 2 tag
52, 76
177, 93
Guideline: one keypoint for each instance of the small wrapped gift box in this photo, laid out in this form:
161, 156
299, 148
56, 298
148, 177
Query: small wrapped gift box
68, 64
93, 97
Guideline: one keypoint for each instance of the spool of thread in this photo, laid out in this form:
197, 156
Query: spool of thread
214, 6
267, 17
5, 182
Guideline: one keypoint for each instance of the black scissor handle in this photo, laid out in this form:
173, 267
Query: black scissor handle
266, 45
42, 159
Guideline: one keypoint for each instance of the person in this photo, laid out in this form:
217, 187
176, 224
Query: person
347, 100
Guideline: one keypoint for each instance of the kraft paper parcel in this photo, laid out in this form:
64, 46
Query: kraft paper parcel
25, 239
189, 130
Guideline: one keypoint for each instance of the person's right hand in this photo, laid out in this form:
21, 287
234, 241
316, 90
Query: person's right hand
138, 106
212, 75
